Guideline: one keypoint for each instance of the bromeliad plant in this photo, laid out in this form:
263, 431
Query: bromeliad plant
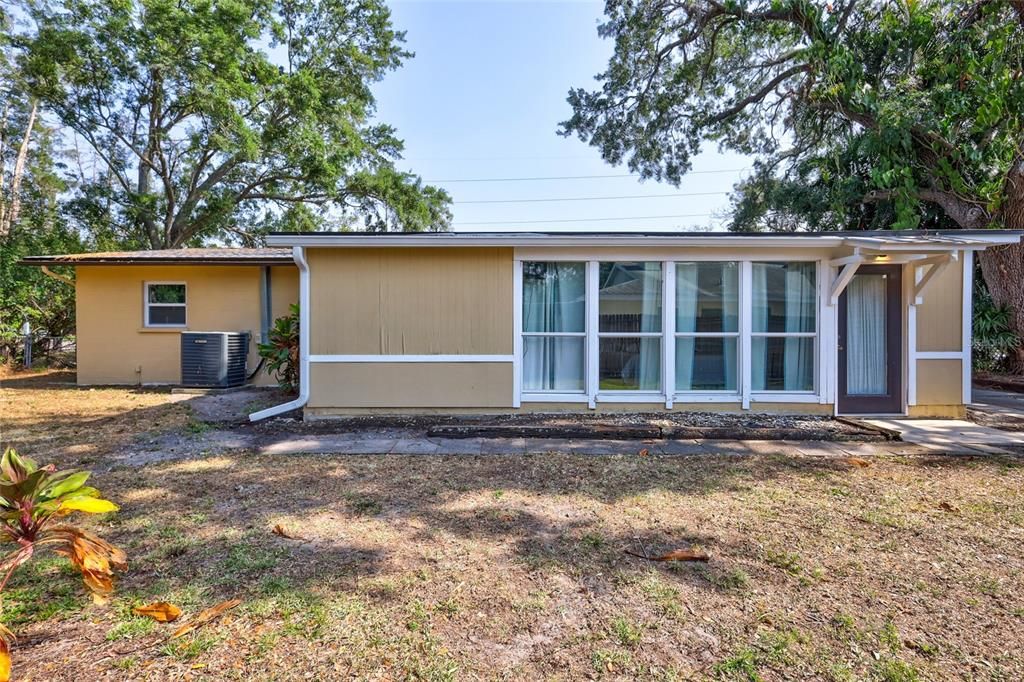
32, 499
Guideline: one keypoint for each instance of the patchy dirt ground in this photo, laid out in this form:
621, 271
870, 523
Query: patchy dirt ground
492, 567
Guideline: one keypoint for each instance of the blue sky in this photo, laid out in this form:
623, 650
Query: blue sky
482, 99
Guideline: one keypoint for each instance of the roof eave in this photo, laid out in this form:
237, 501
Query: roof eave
38, 261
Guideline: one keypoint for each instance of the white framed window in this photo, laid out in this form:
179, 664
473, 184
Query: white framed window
707, 327
629, 328
554, 327
784, 326
165, 304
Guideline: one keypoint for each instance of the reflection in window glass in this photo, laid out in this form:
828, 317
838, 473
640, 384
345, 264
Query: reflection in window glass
630, 298
630, 364
782, 363
706, 363
707, 297
784, 297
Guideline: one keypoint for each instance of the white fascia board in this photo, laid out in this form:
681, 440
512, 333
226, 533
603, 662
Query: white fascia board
567, 240
804, 240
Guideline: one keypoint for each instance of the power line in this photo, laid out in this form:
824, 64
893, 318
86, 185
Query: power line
627, 196
578, 177
588, 220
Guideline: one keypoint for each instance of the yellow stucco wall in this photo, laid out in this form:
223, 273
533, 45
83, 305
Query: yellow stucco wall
115, 347
402, 301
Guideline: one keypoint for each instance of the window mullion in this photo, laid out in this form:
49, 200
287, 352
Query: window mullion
668, 331
592, 315
745, 323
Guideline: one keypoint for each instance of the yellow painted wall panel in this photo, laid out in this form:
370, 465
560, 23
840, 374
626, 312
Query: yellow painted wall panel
939, 382
410, 385
940, 316
403, 301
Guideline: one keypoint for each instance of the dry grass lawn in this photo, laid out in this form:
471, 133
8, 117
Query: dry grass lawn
437, 568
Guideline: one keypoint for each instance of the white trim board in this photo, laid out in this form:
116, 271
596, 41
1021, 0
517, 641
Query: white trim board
410, 358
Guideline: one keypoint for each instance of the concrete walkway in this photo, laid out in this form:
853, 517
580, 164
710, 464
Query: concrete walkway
954, 436
364, 443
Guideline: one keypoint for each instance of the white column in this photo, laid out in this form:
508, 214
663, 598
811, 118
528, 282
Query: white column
746, 326
668, 326
967, 325
517, 333
591, 326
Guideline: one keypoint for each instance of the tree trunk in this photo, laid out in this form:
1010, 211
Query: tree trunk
1003, 266
19, 170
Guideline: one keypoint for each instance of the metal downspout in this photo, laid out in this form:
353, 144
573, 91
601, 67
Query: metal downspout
299, 255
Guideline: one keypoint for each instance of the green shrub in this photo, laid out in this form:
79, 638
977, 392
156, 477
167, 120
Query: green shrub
281, 352
994, 341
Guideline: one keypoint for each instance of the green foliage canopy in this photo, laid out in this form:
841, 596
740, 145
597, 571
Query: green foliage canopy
216, 119
861, 114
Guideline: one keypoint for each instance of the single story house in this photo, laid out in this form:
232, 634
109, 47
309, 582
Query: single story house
131, 306
807, 322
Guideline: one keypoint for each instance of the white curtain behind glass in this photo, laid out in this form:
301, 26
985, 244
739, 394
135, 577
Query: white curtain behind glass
865, 335
553, 301
649, 373
686, 321
799, 314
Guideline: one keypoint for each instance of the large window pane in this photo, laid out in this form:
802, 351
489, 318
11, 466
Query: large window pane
784, 297
780, 363
554, 297
706, 363
630, 364
707, 297
630, 297
553, 363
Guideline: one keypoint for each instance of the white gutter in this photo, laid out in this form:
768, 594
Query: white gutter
914, 243
299, 255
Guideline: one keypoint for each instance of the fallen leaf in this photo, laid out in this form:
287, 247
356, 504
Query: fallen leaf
857, 462
279, 530
644, 452
160, 611
675, 555
205, 617
946, 506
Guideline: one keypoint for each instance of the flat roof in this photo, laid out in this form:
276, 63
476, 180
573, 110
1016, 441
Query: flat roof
872, 240
200, 256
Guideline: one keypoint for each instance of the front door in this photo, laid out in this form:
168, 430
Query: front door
871, 342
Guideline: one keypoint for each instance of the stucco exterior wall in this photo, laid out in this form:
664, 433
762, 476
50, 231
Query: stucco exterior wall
115, 347
403, 301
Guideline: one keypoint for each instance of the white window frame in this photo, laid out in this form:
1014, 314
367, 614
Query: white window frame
648, 395
744, 395
723, 394
782, 396
147, 305
551, 395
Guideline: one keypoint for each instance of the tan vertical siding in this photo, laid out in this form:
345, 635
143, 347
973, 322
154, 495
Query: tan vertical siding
939, 382
115, 347
940, 316
403, 301
411, 385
